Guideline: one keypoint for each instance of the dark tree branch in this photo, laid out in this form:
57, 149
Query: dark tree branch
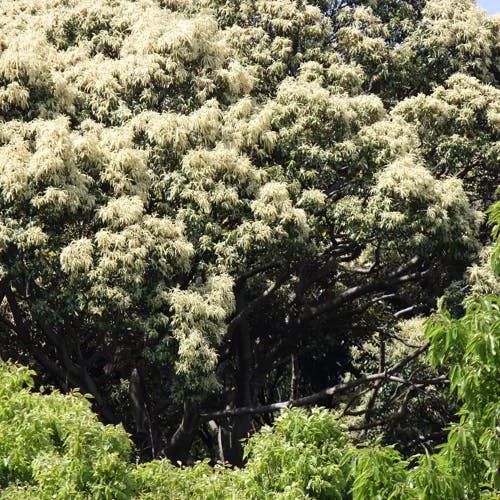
310, 400
356, 396
378, 384
243, 314
401, 364
402, 340
77, 374
395, 278
315, 398
20, 329
254, 271
180, 442
402, 409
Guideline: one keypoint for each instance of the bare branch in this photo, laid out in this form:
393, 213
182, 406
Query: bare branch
305, 401
402, 340
313, 399
404, 311
401, 411
401, 364
395, 278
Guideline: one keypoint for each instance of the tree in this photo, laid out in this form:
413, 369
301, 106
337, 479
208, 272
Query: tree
203, 201
53, 446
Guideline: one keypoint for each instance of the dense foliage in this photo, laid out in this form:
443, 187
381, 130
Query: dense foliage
54, 447
211, 210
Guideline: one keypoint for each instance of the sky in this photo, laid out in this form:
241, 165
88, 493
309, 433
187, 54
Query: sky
491, 6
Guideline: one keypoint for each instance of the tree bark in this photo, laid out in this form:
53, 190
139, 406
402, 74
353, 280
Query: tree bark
180, 442
241, 424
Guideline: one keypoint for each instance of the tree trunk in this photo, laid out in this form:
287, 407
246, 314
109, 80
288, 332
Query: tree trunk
241, 425
180, 443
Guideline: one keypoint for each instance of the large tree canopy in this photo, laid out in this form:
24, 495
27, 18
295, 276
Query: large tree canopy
214, 205
52, 446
